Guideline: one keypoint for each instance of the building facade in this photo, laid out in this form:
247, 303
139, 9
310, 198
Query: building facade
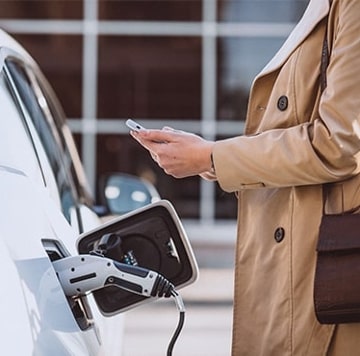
187, 64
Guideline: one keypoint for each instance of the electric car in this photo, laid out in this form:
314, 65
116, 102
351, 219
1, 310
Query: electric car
67, 278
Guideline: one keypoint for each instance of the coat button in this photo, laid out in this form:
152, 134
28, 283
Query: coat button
279, 234
283, 103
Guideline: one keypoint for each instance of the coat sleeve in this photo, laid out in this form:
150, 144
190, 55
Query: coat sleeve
324, 150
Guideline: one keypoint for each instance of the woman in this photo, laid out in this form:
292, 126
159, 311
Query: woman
297, 138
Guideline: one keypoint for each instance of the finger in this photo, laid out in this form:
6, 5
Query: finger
168, 128
144, 142
156, 136
135, 135
154, 156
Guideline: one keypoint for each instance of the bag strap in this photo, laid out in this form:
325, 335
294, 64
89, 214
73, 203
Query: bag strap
325, 56
324, 61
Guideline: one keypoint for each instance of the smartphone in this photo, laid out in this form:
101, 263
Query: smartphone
133, 125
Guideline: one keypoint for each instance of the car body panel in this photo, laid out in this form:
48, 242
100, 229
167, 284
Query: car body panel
37, 308
33, 303
43, 311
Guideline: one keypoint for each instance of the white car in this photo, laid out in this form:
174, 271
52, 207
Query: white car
57, 295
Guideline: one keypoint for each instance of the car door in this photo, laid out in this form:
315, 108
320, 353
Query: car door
46, 116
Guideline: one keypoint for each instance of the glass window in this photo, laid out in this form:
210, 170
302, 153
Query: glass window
41, 9
121, 153
239, 61
150, 10
77, 137
157, 77
149, 77
225, 203
60, 58
17, 149
261, 10
184, 194
38, 110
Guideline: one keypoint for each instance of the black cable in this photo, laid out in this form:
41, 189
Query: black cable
176, 333
181, 307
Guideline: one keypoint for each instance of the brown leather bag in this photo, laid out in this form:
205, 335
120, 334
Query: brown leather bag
337, 275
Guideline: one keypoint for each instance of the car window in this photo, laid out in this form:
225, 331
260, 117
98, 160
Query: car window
38, 110
17, 149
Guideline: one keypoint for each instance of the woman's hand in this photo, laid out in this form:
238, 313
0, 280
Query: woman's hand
178, 153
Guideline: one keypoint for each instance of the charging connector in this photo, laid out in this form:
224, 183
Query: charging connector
84, 274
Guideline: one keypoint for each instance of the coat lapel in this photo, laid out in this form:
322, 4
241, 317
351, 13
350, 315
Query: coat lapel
315, 12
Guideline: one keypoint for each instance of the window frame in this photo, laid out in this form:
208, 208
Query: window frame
55, 123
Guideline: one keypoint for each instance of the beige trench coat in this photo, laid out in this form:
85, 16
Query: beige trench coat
296, 139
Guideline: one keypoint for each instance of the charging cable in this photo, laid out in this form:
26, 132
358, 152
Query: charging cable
180, 305
83, 274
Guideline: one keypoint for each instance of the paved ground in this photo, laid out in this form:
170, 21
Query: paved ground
207, 329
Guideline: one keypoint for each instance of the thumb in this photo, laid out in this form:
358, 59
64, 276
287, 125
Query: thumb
157, 135
168, 128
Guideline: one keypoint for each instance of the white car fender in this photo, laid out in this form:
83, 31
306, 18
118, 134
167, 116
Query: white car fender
36, 308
